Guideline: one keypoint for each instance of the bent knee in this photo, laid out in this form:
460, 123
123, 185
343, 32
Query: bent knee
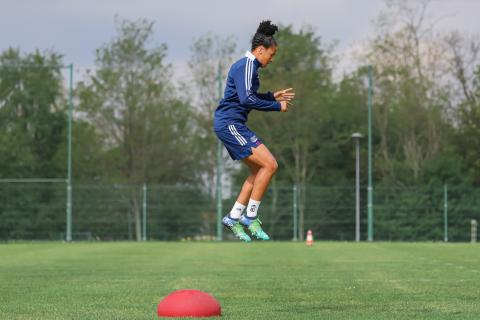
271, 166
275, 165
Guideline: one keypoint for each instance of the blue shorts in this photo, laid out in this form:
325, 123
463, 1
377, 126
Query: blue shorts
238, 139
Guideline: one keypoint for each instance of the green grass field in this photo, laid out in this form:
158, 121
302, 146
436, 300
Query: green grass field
276, 280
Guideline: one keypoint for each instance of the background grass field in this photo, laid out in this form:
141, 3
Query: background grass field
252, 281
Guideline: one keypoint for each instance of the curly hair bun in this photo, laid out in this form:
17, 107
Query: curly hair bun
267, 28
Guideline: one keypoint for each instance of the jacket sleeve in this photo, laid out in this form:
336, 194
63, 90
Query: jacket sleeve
266, 96
250, 98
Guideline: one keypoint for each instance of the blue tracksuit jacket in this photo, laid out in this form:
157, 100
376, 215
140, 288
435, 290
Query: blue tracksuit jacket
241, 95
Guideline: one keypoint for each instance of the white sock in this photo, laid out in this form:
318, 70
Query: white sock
252, 208
237, 210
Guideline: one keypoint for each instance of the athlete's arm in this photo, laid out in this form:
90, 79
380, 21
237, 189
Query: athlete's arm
250, 98
266, 96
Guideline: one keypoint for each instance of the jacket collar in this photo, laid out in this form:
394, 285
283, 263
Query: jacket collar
250, 56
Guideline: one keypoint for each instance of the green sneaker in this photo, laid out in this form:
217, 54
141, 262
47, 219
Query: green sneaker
236, 228
254, 225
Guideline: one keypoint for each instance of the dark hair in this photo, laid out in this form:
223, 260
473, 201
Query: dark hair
264, 35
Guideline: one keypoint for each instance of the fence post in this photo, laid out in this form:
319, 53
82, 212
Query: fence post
295, 213
473, 236
144, 207
370, 168
445, 212
219, 190
69, 156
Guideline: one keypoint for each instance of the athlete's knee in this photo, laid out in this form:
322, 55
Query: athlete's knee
275, 165
271, 166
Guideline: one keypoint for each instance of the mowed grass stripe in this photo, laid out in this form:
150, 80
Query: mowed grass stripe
276, 280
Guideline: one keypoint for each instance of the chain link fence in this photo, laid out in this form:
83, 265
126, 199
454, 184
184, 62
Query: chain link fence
37, 211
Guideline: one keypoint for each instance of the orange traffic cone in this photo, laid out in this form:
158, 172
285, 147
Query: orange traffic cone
309, 241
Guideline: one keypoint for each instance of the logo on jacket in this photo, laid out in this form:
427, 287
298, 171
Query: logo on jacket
254, 139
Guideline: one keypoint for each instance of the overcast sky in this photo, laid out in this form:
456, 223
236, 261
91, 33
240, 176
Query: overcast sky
76, 28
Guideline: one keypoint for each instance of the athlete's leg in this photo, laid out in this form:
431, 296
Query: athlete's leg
262, 159
247, 187
231, 220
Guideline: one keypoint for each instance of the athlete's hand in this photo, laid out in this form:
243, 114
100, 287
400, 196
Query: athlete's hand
284, 95
285, 105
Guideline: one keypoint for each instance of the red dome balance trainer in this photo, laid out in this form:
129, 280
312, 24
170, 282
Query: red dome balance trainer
189, 303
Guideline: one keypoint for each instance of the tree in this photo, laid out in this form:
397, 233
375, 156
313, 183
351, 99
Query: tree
465, 67
145, 128
32, 114
411, 95
210, 55
32, 126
